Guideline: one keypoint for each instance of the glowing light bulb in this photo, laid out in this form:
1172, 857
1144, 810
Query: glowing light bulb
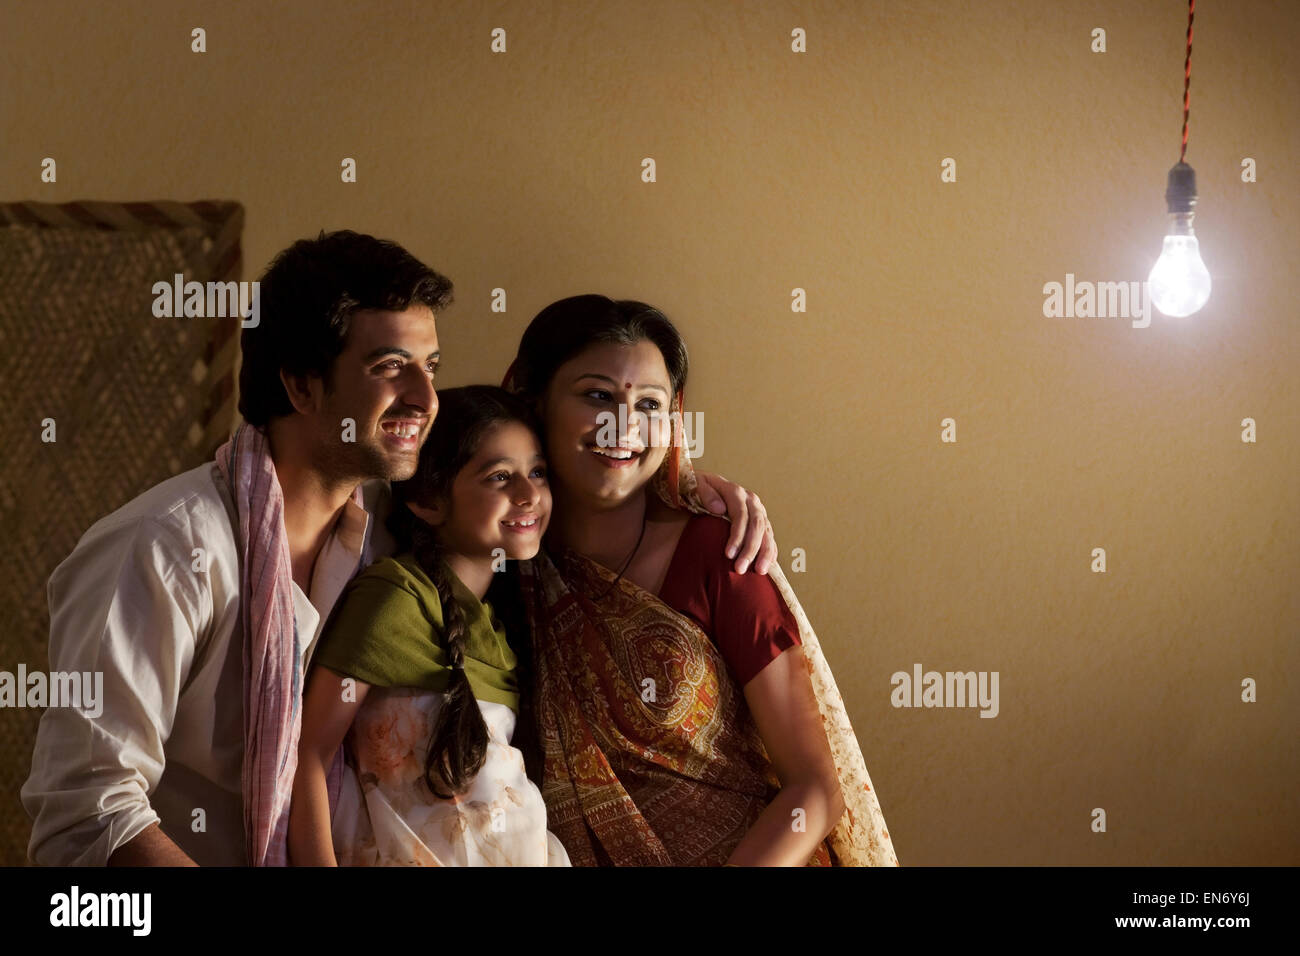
1179, 283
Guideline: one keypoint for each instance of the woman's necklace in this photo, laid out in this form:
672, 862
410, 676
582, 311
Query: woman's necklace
605, 593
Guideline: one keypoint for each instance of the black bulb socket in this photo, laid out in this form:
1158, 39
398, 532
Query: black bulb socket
1180, 194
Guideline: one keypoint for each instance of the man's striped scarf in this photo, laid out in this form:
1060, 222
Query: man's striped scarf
273, 678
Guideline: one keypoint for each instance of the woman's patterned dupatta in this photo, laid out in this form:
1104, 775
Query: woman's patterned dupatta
645, 733
649, 755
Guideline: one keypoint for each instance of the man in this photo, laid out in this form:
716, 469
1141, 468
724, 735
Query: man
201, 600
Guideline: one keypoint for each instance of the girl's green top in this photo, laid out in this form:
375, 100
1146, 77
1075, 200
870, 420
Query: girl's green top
387, 631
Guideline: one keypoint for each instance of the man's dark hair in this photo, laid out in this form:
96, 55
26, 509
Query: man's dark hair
307, 299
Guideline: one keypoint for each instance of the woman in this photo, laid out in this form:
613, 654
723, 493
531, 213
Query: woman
683, 713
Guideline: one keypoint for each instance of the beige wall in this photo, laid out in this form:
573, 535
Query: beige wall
1118, 690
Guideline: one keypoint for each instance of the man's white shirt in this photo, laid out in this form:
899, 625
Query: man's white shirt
168, 747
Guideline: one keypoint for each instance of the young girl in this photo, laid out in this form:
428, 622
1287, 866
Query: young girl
415, 670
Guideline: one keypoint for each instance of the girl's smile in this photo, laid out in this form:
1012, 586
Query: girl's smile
524, 524
500, 500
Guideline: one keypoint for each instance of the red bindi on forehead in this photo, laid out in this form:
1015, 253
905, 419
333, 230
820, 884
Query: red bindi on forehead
627, 384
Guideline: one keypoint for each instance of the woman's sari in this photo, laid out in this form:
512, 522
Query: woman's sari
649, 753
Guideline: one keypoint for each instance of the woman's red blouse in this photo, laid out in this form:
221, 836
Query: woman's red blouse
744, 614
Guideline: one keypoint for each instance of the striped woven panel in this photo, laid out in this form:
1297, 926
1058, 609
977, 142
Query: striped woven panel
135, 399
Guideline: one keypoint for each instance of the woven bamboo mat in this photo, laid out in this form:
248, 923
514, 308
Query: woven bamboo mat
135, 399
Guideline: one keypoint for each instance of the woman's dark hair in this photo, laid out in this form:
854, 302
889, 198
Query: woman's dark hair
465, 417
306, 300
560, 332
564, 329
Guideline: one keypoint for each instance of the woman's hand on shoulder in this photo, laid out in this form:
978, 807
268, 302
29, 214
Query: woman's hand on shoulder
751, 540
